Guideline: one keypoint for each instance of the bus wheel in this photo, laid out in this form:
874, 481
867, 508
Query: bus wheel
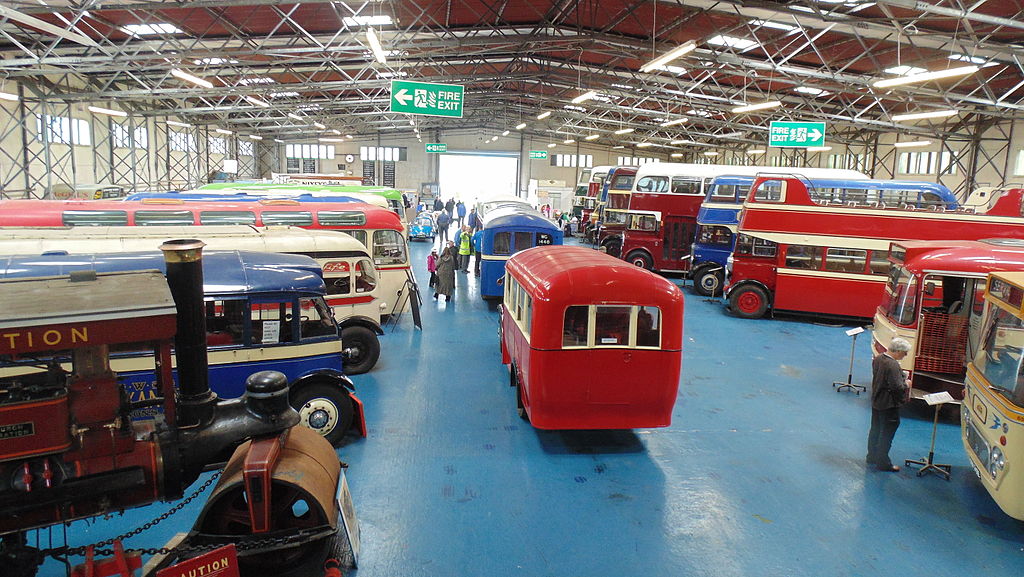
360, 348
749, 302
640, 259
325, 408
613, 247
708, 282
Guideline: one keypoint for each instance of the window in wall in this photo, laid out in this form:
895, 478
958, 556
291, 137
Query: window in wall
217, 145
927, 163
181, 141
123, 136
383, 153
63, 130
308, 151
850, 161
245, 148
571, 160
635, 160
1019, 169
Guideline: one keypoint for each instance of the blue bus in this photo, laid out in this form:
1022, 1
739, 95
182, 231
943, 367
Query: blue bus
246, 195
719, 214
506, 231
263, 312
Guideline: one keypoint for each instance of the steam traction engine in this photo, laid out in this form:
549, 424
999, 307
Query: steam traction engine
68, 449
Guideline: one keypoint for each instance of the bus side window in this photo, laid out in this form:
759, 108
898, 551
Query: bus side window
880, 262
317, 319
648, 327
341, 285
271, 322
225, 322
365, 279
769, 191
803, 256
611, 326
845, 260
574, 329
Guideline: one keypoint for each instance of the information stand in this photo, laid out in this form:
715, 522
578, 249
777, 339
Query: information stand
929, 464
839, 385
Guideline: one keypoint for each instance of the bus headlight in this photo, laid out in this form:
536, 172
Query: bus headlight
996, 461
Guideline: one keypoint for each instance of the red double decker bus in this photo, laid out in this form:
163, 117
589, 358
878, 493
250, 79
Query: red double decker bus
613, 206
831, 257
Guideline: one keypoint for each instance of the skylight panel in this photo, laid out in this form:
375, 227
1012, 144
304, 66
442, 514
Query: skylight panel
775, 25
255, 80
379, 20
677, 70
285, 94
214, 61
905, 70
973, 60
150, 29
811, 91
732, 42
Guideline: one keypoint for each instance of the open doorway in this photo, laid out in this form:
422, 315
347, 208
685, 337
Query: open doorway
477, 177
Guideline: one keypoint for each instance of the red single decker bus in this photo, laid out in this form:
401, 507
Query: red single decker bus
572, 311
831, 257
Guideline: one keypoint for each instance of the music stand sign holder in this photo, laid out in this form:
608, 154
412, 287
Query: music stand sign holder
839, 385
929, 465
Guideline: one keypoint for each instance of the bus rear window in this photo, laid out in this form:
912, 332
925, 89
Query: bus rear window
95, 218
215, 217
524, 240
574, 329
293, 218
341, 218
164, 217
611, 326
621, 182
503, 243
648, 327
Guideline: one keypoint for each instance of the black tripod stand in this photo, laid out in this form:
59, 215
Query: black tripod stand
929, 464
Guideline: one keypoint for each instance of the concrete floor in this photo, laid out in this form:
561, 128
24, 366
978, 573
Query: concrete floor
762, 472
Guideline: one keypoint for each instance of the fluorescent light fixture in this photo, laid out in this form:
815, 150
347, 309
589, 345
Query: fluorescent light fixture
683, 141
811, 91
912, 143
285, 94
505, 133
222, 131
552, 145
622, 131
278, 140
8, 96
521, 126
494, 138
923, 115
756, 106
905, 70
818, 148
574, 108
677, 52
178, 124
338, 132
584, 97
618, 146
569, 141
925, 76
390, 74
256, 101
179, 73
295, 116
318, 125
150, 29
733, 134
732, 42
677, 155
756, 151
543, 115
775, 25
710, 153
255, 137
348, 136
592, 137
644, 144
331, 139
673, 122
378, 20
107, 111
375, 47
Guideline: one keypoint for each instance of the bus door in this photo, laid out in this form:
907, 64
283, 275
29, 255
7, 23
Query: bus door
676, 242
949, 324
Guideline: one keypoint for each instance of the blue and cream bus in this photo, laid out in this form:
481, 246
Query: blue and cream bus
263, 312
506, 231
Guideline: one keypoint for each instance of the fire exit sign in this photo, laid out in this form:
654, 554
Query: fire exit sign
538, 154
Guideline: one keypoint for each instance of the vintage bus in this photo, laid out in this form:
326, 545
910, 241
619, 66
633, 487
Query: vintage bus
591, 342
377, 195
799, 255
934, 299
256, 195
612, 208
500, 201
992, 414
664, 203
719, 215
506, 231
263, 312
378, 229
354, 290
595, 183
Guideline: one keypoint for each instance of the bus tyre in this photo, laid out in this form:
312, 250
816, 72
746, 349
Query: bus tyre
640, 259
707, 282
520, 407
748, 302
612, 247
360, 348
325, 408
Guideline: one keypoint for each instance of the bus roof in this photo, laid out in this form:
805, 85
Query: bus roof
224, 272
257, 194
977, 256
85, 239
579, 275
519, 217
712, 170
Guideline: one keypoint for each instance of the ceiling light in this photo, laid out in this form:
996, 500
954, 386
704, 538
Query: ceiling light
505, 133
912, 143
8, 96
222, 131
149, 29
923, 115
592, 137
756, 151
331, 139
673, 122
285, 94
543, 115
710, 153
732, 42
318, 125
178, 124
336, 131
584, 97
295, 116
756, 106
179, 73
568, 141
683, 141
349, 136
552, 145
624, 131
644, 144
255, 137
107, 111
733, 134
617, 146
256, 101
278, 140
677, 155
669, 56
494, 138
521, 126
375, 47
925, 76
818, 148
811, 91
390, 74
574, 107
378, 20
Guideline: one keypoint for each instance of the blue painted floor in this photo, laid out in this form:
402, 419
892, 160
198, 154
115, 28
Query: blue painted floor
761, 474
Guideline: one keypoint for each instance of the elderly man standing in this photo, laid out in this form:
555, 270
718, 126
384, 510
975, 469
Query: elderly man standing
889, 390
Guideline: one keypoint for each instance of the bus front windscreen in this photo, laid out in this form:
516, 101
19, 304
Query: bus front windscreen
901, 297
1000, 358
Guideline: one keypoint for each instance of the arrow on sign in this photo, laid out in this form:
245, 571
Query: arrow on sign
403, 97
814, 134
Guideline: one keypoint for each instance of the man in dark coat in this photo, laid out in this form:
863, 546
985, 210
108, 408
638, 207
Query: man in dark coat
889, 388
438, 205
